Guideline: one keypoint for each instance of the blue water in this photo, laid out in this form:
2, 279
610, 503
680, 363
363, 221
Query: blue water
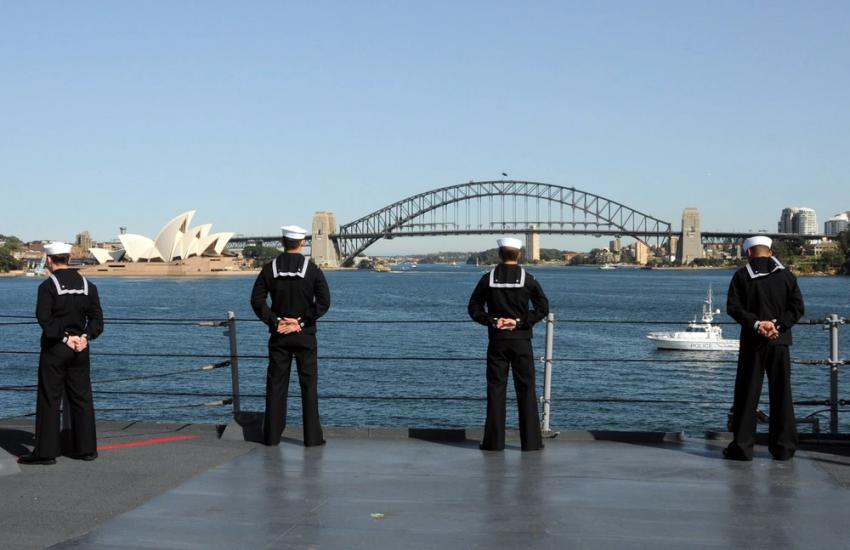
590, 358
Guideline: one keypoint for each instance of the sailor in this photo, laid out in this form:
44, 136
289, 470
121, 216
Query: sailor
299, 296
765, 299
501, 302
68, 310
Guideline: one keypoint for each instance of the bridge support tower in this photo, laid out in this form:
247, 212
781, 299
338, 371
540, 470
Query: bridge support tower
532, 244
690, 243
323, 250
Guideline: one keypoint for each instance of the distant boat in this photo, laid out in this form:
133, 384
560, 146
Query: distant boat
39, 270
701, 335
607, 267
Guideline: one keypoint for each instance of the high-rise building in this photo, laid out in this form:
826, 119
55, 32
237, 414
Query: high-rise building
641, 252
807, 221
690, 244
836, 224
798, 221
84, 241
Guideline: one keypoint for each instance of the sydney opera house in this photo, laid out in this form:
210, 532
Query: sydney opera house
178, 249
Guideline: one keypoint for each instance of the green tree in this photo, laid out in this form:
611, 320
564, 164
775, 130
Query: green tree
7, 261
12, 243
550, 254
260, 254
843, 240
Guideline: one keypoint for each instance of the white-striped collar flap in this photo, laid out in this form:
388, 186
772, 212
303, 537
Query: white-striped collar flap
60, 291
300, 273
518, 284
776, 266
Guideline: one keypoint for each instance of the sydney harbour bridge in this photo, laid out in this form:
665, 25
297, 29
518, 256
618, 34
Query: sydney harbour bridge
490, 207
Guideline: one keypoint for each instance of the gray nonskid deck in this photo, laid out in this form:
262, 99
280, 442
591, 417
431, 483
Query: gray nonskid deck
44, 505
574, 494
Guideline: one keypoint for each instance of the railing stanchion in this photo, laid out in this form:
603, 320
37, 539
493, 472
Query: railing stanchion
832, 323
547, 377
234, 360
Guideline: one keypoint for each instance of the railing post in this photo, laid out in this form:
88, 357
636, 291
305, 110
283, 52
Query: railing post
547, 376
832, 323
234, 360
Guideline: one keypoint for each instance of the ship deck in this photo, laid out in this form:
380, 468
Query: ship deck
182, 487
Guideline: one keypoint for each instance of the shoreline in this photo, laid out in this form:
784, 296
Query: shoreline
202, 275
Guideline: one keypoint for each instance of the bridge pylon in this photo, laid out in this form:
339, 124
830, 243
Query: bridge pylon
532, 244
323, 249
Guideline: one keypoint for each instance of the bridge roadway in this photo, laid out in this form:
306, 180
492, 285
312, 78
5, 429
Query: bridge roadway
374, 488
239, 242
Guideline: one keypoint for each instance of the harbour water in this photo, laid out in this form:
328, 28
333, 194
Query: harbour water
606, 375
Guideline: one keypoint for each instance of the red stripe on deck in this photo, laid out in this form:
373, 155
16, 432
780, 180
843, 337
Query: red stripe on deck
147, 442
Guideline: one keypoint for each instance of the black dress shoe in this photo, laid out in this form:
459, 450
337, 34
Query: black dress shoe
88, 457
783, 456
316, 444
33, 459
729, 455
483, 448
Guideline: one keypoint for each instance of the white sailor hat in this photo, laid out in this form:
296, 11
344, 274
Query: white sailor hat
509, 242
294, 232
57, 248
757, 240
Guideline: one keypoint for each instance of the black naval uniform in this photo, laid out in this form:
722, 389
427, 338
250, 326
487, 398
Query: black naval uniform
298, 290
505, 292
68, 305
764, 291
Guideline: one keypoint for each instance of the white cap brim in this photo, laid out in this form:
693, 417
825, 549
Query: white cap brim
294, 232
509, 242
756, 241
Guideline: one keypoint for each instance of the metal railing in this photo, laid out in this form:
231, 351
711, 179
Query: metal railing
231, 359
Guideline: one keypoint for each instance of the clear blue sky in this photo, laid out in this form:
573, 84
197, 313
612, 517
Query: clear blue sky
259, 113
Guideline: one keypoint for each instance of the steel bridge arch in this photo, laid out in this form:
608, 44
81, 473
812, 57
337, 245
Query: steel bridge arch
355, 237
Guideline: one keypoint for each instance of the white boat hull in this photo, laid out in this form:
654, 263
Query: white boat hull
666, 341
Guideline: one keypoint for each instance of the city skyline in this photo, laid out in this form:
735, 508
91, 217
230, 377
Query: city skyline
118, 115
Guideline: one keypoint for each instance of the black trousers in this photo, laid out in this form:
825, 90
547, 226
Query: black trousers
753, 363
281, 351
60, 367
502, 356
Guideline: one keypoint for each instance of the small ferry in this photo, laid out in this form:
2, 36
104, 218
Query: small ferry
702, 335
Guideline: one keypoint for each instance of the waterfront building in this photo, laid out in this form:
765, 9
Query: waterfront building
821, 247
798, 221
836, 224
690, 242
178, 249
641, 252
